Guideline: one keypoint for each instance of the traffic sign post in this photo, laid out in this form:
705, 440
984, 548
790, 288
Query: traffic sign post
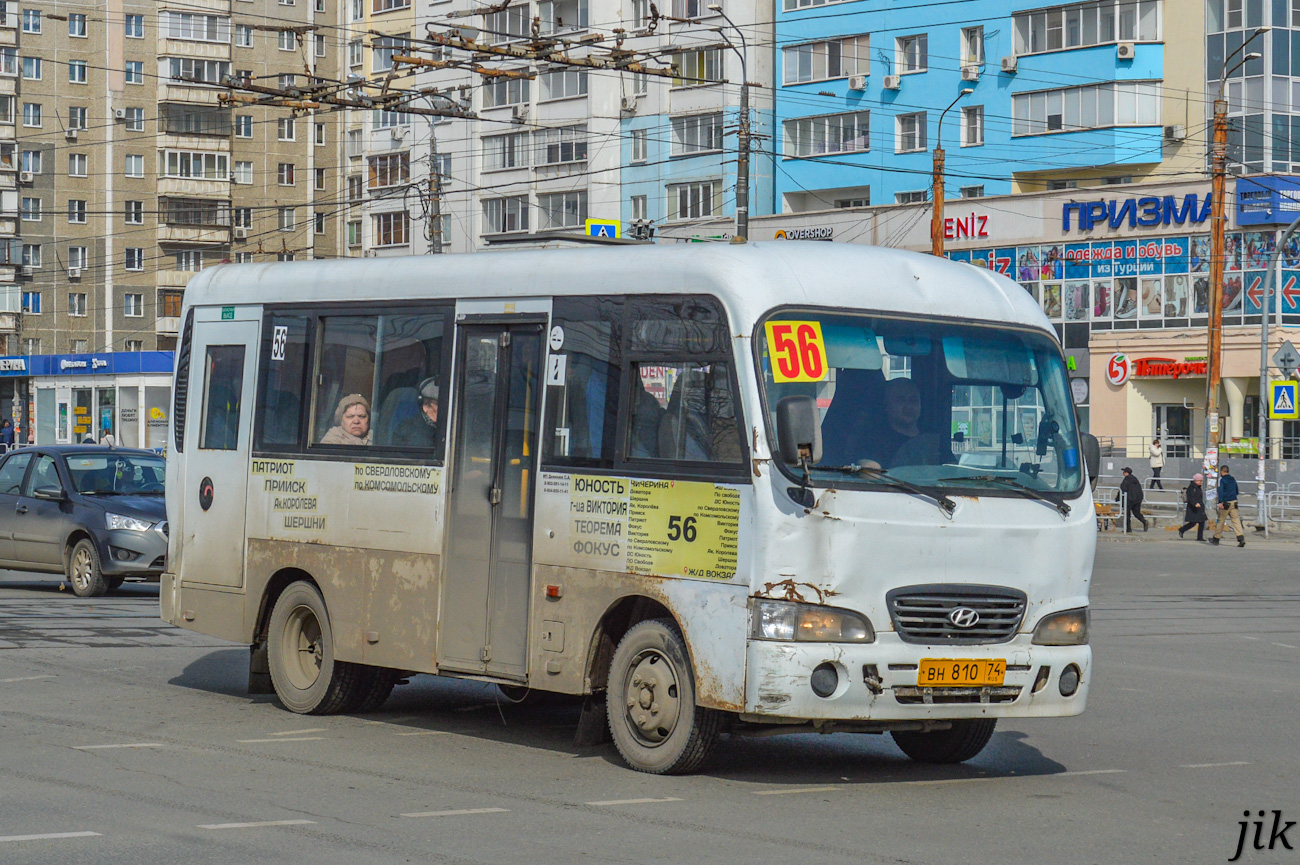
604, 228
1282, 400
1287, 359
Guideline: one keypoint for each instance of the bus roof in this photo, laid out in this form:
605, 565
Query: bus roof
749, 278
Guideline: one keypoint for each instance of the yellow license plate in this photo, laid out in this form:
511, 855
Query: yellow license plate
957, 672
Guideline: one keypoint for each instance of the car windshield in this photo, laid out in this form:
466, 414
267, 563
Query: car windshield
935, 404
117, 474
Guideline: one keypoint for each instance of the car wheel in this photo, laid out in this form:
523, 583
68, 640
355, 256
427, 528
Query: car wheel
653, 718
962, 742
307, 678
83, 570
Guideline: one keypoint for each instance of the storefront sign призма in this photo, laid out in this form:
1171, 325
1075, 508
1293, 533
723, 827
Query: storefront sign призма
1147, 212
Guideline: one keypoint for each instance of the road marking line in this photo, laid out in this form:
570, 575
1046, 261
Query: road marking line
1244, 637
49, 836
1093, 772
1213, 765
956, 780
634, 801
795, 790
459, 812
424, 733
393, 720
299, 732
128, 745
292, 739
256, 825
24, 679
1284, 645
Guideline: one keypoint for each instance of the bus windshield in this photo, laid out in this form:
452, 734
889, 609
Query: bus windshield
931, 403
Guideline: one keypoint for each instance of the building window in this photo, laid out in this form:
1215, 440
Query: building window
694, 200
80, 346
243, 171
243, 126
356, 185
501, 215
697, 133
190, 70
31, 21
77, 24
78, 117
911, 53
194, 27
32, 114
389, 5
384, 119
390, 169
392, 229
319, 39
31, 255
135, 120
287, 41
972, 47
189, 260
134, 213
288, 219
8, 61
564, 84
284, 174
354, 233
355, 52
505, 151
32, 68
243, 258
78, 165
823, 61
910, 130
170, 303
919, 196
76, 211
32, 305
972, 126
320, 222
1058, 185
562, 16
382, 49
32, 344
135, 72
77, 71
845, 203
562, 209
504, 91
31, 210
76, 299
506, 24
639, 207
831, 133
972, 191
1092, 107
133, 305
135, 27
134, 165
196, 164
565, 144
243, 36
696, 68
1079, 25
320, 134
243, 217
319, 183
31, 161
286, 129
135, 258
135, 345
639, 145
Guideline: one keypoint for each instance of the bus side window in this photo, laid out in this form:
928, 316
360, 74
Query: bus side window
410, 394
223, 389
342, 410
279, 404
584, 410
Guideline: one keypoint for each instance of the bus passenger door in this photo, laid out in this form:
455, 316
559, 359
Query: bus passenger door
218, 424
484, 616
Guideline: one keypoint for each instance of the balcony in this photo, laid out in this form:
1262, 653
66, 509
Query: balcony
8, 273
167, 325
193, 187
204, 235
174, 278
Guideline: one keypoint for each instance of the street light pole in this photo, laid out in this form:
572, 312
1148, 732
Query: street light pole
1219, 157
936, 217
742, 133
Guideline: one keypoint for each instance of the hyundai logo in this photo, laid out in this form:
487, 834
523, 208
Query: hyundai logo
964, 617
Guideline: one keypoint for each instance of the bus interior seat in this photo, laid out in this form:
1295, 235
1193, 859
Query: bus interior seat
401, 404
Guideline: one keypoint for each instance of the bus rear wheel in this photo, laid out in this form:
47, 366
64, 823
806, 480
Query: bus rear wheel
957, 744
307, 678
653, 718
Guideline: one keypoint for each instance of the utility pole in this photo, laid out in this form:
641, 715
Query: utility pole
936, 217
434, 228
742, 133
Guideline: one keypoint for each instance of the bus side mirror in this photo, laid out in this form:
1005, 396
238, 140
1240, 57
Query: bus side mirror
1091, 455
799, 430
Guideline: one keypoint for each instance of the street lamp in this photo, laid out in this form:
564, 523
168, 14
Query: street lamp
742, 134
1214, 340
936, 218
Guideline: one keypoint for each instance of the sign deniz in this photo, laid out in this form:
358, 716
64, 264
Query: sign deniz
1148, 211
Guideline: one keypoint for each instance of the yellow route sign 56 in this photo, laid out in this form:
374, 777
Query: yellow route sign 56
797, 350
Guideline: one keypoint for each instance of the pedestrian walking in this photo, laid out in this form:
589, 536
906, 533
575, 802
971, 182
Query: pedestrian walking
1227, 508
1157, 463
107, 438
1132, 488
7, 434
1195, 511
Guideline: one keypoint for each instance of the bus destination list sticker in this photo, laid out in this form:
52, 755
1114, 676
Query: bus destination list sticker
656, 528
291, 496
370, 477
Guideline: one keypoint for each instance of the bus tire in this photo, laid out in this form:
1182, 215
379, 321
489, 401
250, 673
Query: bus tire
957, 744
377, 685
653, 718
84, 572
306, 677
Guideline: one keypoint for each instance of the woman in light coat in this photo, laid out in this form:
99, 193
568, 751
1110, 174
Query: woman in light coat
1157, 463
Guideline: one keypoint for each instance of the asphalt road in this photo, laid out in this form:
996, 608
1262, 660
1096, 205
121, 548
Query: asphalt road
134, 742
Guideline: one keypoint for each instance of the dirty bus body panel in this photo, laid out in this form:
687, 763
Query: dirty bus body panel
509, 473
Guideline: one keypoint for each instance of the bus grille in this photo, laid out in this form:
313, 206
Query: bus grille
921, 613
910, 696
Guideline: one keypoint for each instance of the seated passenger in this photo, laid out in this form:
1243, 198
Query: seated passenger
351, 422
421, 431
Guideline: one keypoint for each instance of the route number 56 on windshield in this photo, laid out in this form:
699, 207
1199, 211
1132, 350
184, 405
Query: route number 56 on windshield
797, 350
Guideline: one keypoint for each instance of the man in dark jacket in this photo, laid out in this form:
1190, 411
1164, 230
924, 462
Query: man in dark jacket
1226, 510
1195, 513
1132, 487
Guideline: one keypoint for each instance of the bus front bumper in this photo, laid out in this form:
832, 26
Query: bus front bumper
878, 681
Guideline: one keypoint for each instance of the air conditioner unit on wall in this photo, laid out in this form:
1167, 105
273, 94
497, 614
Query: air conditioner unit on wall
1009, 64
893, 82
1175, 133
119, 113
1125, 51
520, 113
70, 134
74, 273
628, 104
970, 72
398, 132
25, 177
857, 82
241, 233
26, 270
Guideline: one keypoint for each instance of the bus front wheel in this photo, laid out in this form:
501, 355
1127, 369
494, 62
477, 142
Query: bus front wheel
957, 744
653, 718
307, 678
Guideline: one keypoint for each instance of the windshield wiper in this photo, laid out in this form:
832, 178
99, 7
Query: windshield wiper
946, 504
1017, 486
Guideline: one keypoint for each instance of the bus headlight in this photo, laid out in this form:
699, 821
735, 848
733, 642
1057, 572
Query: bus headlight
1066, 628
809, 623
121, 521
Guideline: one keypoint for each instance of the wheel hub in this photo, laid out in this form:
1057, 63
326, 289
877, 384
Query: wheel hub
652, 701
303, 647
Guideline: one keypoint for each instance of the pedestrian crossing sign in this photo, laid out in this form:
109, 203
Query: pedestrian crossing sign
1282, 400
606, 228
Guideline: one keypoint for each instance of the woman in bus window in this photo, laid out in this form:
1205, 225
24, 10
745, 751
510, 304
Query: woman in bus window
351, 422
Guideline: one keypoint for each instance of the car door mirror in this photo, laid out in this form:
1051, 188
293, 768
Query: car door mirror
50, 494
799, 430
